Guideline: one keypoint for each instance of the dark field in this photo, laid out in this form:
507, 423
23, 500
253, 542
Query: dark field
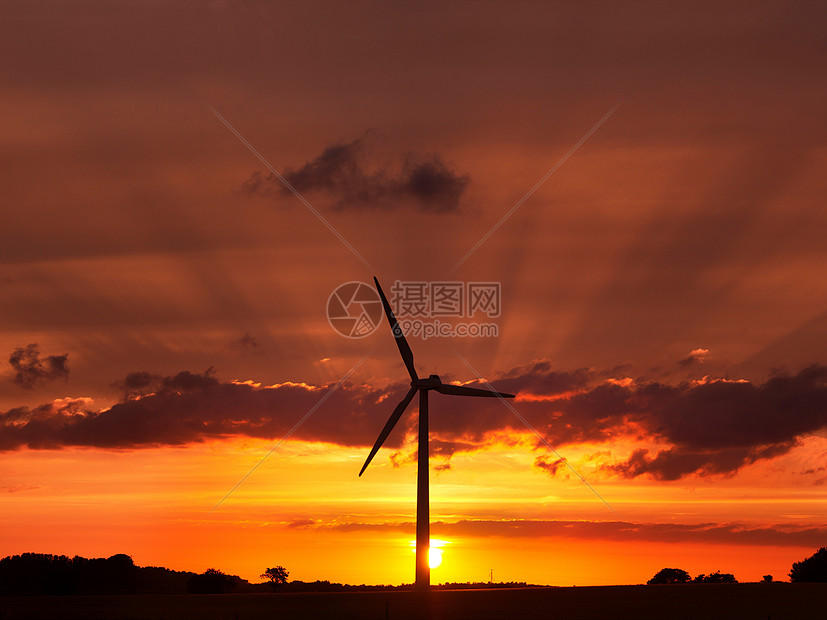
778, 601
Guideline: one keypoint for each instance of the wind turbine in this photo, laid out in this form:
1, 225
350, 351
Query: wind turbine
423, 386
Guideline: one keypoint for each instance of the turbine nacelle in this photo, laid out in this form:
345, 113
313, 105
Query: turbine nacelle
430, 383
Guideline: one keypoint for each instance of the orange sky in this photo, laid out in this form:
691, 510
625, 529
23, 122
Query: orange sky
664, 312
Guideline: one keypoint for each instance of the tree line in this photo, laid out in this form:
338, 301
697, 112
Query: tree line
38, 574
811, 569
667, 576
47, 574
41, 573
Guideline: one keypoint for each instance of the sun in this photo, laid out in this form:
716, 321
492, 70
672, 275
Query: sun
434, 557
435, 551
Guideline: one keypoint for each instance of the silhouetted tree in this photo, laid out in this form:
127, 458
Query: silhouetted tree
767, 579
668, 576
276, 576
122, 573
812, 569
113, 575
211, 581
716, 577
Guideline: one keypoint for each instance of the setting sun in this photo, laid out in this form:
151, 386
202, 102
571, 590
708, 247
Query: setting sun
434, 557
435, 551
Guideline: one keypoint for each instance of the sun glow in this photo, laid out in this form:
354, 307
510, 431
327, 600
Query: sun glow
434, 557
435, 551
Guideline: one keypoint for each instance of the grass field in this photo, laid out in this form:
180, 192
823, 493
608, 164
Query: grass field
778, 601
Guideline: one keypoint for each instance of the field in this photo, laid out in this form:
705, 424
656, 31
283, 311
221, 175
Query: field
778, 601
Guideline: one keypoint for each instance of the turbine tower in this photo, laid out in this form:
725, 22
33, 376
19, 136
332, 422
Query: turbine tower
423, 386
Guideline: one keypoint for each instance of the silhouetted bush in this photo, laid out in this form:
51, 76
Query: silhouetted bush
716, 577
211, 581
159, 579
767, 579
667, 576
812, 569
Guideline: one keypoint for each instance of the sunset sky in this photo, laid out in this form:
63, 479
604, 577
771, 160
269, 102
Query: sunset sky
663, 295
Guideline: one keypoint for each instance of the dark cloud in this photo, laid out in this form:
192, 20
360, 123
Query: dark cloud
247, 342
549, 465
139, 384
30, 370
620, 531
674, 463
540, 378
719, 426
708, 427
341, 174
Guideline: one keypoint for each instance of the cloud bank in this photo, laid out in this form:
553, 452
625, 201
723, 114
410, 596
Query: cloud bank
706, 427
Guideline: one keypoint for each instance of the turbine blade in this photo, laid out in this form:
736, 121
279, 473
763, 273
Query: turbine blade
404, 348
397, 413
461, 390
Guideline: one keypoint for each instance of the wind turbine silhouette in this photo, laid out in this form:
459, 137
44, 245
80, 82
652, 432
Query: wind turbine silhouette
423, 386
